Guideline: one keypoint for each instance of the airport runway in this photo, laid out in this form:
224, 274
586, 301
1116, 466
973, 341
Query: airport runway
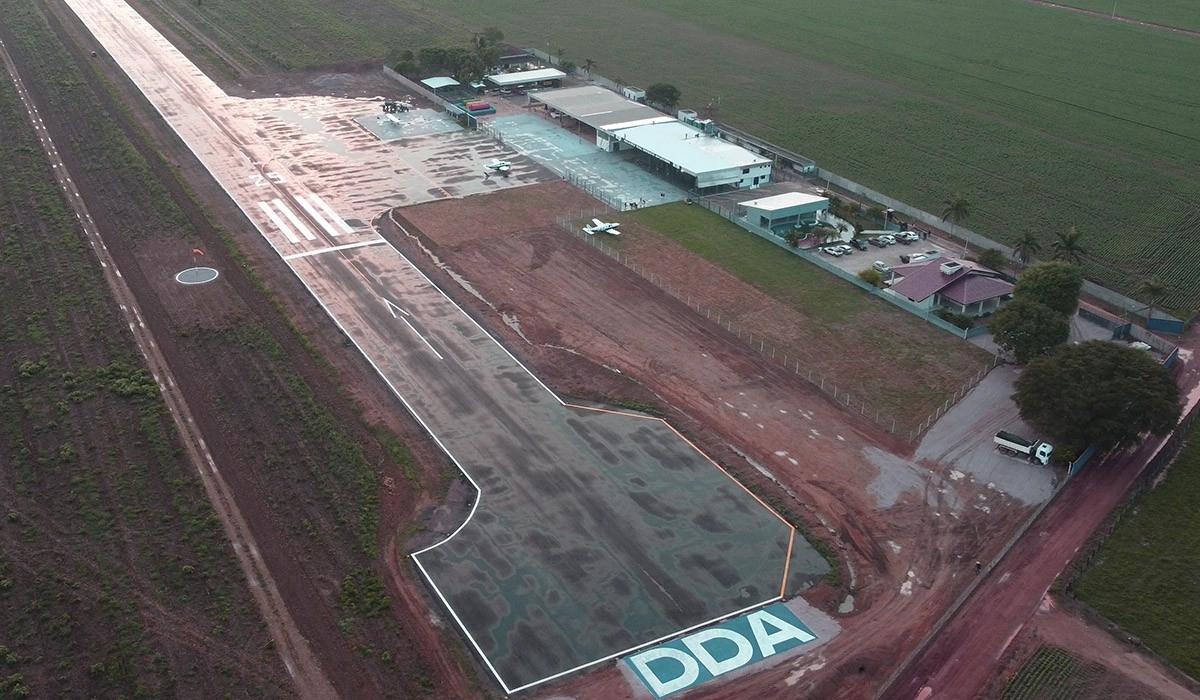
594, 532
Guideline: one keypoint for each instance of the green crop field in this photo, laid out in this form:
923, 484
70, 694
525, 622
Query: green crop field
1184, 14
1145, 576
1042, 118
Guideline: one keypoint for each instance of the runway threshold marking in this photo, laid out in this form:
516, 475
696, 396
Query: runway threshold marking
316, 216
295, 220
333, 215
348, 246
287, 232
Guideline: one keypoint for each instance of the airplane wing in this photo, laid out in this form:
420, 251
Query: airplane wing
597, 222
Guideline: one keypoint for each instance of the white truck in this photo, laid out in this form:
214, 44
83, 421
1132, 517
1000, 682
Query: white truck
1034, 451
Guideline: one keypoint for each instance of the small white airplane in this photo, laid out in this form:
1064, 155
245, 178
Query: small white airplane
598, 226
499, 166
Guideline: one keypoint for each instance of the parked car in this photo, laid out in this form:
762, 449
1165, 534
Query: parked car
876, 242
888, 240
846, 250
881, 266
834, 250
913, 257
859, 243
910, 236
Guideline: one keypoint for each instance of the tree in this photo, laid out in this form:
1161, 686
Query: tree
794, 237
1153, 290
1026, 247
431, 59
1068, 246
663, 94
588, 66
1098, 393
559, 53
568, 67
469, 69
490, 36
992, 259
1029, 329
956, 209
1055, 284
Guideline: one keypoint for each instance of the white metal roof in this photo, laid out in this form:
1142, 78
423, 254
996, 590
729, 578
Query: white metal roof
688, 148
526, 76
784, 201
595, 106
439, 82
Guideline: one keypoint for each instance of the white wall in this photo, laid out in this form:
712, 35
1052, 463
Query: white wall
735, 176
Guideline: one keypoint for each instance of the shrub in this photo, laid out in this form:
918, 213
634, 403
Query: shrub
963, 321
871, 276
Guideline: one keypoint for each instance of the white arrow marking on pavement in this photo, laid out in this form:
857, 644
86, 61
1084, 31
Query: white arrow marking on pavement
393, 308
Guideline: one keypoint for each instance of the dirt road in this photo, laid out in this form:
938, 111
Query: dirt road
965, 656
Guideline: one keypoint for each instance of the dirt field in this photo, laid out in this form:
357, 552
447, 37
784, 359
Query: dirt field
306, 445
592, 328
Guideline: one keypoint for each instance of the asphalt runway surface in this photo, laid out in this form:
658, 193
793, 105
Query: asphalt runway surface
594, 532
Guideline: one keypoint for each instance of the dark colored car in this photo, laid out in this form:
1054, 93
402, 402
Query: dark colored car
858, 243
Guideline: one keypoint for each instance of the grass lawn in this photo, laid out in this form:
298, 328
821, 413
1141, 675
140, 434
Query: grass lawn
1147, 575
1042, 118
799, 284
902, 365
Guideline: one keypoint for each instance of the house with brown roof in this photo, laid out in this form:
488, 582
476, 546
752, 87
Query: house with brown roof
960, 286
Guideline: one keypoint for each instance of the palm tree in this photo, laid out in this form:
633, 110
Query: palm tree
956, 209
1026, 247
588, 65
1154, 290
1068, 246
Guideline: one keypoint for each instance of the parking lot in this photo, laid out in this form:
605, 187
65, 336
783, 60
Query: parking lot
858, 260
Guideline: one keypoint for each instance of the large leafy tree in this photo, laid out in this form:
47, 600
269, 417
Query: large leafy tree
1068, 246
1029, 329
1098, 393
1055, 284
663, 94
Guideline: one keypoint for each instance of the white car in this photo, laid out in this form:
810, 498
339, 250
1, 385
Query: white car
887, 240
911, 236
846, 250
834, 250
881, 266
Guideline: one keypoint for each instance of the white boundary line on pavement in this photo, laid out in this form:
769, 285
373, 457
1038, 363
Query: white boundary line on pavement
415, 555
348, 246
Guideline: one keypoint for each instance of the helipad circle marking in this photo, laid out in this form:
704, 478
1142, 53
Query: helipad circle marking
197, 275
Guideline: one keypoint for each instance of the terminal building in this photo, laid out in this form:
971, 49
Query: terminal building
688, 151
784, 211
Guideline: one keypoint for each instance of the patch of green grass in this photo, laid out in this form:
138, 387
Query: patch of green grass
804, 287
1144, 578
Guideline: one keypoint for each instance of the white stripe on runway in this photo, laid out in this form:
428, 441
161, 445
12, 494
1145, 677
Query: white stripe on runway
318, 251
427, 343
278, 222
332, 214
316, 216
300, 226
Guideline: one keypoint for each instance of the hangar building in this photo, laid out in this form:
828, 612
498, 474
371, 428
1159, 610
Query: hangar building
699, 157
527, 78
